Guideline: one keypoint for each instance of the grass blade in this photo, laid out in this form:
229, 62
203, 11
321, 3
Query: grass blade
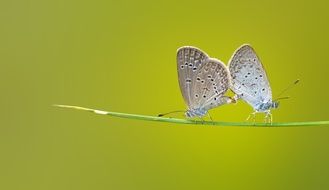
186, 121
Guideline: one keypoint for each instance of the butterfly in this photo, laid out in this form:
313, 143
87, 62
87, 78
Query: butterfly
250, 81
203, 81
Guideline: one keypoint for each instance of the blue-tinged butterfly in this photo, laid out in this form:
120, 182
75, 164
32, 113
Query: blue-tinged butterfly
250, 81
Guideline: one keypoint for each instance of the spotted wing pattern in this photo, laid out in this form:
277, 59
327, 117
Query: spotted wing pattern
189, 61
203, 80
249, 79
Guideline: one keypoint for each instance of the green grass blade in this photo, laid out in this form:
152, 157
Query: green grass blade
185, 121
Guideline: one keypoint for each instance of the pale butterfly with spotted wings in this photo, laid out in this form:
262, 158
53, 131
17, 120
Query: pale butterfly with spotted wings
203, 81
250, 81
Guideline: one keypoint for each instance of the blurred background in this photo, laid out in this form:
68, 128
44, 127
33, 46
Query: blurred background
120, 56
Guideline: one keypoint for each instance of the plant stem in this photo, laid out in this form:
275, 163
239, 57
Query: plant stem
186, 121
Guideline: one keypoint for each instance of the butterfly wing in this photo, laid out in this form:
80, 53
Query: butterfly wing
202, 80
189, 61
211, 83
249, 78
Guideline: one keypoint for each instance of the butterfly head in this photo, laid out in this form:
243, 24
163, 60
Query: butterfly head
263, 107
275, 104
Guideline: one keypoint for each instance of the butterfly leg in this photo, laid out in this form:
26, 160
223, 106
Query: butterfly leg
210, 117
202, 120
235, 98
268, 118
253, 115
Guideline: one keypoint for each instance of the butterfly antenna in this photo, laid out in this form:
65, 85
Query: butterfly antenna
286, 89
163, 114
283, 98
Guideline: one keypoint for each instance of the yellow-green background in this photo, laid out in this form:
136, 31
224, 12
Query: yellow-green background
120, 56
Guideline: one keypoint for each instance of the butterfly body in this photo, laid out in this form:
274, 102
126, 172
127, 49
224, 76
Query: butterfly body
199, 112
265, 107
